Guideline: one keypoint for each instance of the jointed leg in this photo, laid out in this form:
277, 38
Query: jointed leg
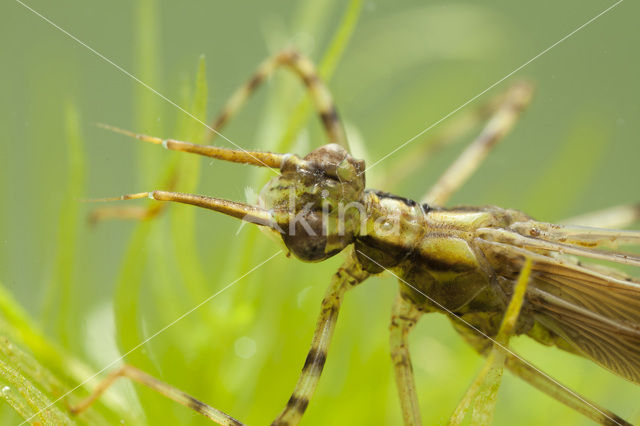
403, 317
515, 101
544, 383
613, 217
417, 155
347, 277
291, 59
561, 393
498, 356
160, 387
484, 388
304, 69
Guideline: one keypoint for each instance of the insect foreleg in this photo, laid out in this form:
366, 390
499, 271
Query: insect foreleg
300, 66
347, 277
484, 389
497, 128
403, 317
160, 387
303, 68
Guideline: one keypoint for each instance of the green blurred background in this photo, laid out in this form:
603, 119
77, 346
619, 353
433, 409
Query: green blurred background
394, 67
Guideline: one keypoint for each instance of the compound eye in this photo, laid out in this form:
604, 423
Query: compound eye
305, 237
345, 171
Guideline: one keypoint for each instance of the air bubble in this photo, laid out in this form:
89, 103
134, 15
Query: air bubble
245, 347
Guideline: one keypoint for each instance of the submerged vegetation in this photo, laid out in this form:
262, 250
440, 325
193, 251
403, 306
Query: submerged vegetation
97, 292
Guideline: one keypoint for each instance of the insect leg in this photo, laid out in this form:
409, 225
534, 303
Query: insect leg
502, 121
347, 277
163, 388
300, 66
542, 382
403, 317
417, 155
561, 393
613, 217
484, 388
303, 68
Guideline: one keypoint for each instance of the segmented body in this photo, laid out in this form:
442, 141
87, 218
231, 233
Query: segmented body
455, 261
436, 250
463, 262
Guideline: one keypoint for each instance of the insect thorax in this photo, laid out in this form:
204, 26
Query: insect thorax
433, 249
320, 206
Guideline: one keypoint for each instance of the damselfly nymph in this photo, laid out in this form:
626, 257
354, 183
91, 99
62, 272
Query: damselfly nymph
494, 272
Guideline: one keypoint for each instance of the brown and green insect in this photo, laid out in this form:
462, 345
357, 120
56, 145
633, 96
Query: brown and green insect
494, 272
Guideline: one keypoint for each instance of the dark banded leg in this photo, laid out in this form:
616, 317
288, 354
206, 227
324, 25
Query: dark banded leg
347, 277
403, 317
167, 390
303, 68
300, 66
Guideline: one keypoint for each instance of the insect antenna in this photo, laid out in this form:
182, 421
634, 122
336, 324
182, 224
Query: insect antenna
254, 158
242, 211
